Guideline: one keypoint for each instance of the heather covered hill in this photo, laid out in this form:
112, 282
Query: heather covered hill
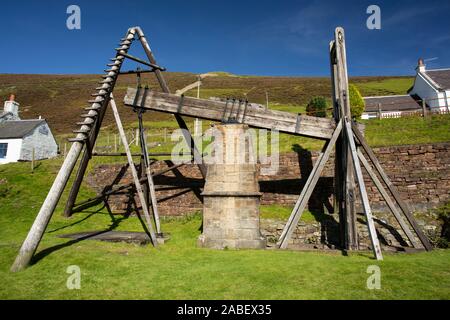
60, 98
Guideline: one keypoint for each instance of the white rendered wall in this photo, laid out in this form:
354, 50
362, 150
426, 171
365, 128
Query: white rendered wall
425, 91
14, 148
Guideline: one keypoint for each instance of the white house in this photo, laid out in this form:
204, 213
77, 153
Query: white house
431, 86
20, 139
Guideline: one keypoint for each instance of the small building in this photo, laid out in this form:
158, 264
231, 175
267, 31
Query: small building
430, 86
21, 140
433, 86
390, 106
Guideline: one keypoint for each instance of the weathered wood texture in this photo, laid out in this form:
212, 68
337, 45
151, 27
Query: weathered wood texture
39, 226
363, 194
134, 172
387, 198
307, 190
402, 204
286, 122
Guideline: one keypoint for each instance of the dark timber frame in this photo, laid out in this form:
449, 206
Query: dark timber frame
340, 133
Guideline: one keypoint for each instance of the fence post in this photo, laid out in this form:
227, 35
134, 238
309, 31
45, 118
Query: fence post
136, 137
115, 142
424, 108
379, 111
32, 160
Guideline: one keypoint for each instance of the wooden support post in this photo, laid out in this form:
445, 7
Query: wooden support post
424, 108
32, 160
150, 183
84, 163
133, 171
363, 193
303, 199
137, 135
165, 88
341, 92
94, 131
37, 230
387, 199
403, 205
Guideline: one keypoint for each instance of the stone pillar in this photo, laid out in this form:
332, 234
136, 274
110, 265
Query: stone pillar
231, 195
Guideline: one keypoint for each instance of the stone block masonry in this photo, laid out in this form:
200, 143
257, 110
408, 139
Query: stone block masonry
420, 172
231, 195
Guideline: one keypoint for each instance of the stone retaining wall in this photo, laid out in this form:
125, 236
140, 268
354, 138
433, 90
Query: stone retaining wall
420, 172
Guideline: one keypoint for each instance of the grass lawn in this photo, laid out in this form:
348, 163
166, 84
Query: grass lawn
385, 87
180, 270
408, 130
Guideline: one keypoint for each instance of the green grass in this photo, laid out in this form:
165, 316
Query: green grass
278, 212
408, 130
180, 270
385, 87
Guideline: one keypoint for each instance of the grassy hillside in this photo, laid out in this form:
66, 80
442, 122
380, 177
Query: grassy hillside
180, 270
60, 98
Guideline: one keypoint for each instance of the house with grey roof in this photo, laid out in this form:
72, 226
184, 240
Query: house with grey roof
430, 86
21, 140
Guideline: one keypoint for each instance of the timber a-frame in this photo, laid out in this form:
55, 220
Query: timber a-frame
84, 143
340, 133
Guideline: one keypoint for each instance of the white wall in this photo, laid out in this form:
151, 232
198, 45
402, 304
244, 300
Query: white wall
425, 91
14, 148
44, 144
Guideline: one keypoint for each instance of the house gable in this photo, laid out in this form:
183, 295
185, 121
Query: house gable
42, 141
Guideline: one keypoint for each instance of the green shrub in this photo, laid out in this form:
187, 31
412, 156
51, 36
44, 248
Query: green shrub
357, 104
317, 107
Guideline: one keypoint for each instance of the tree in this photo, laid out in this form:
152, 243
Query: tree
357, 104
317, 107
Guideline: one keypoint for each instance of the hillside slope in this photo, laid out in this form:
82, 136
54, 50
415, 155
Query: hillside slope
60, 98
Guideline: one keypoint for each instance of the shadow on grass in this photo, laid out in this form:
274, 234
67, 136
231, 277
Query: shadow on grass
115, 222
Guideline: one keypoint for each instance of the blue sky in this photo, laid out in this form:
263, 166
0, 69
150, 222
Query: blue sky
286, 38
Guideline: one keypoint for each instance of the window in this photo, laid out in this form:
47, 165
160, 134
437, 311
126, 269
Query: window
3, 150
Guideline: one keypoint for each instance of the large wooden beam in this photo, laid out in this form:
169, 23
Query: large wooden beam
343, 153
251, 115
376, 248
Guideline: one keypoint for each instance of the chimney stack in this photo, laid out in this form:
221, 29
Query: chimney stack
11, 106
421, 66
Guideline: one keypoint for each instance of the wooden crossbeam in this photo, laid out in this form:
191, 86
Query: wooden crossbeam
302, 125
